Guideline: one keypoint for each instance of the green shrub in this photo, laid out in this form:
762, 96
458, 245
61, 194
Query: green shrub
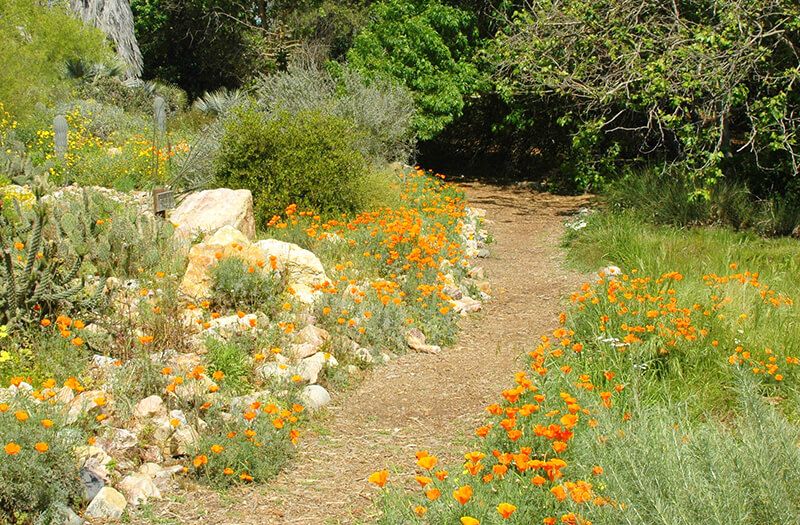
37, 42
308, 158
237, 285
34, 483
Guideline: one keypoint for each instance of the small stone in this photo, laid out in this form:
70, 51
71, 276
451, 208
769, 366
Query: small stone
139, 488
151, 454
103, 361
93, 483
315, 397
352, 370
108, 504
416, 341
122, 443
64, 515
466, 305
312, 335
309, 369
303, 350
150, 407
364, 354
610, 270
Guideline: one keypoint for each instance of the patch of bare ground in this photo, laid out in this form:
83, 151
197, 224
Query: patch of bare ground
417, 401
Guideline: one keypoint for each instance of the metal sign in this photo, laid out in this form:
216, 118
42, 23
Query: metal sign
163, 200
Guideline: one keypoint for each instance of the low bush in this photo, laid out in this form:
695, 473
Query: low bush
39, 470
236, 285
308, 159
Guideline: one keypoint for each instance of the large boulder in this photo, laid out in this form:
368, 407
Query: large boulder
226, 242
208, 211
302, 268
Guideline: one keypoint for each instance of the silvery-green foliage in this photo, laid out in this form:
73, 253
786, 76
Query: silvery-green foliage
379, 109
219, 102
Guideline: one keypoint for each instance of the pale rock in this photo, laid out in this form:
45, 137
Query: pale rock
65, 395
150, 454
122, 443
364, 354
108, 504
103, 362
483, 253
161, 476
476, 273
273, 370
210, 210
95, 459
313, 335
186, 362
239, 404
352, 370
416, 341
192, 320
304, 269
466, 305
309, 369
610, 271
228, 242
385, 358
452, 291
64, 515
302, 350
86, 401
475, 213
315, 397
138, 488
178, 440
149, 407
324, 358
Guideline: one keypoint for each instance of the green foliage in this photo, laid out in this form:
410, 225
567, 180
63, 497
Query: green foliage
233, 360
308, 159
260, 455
706, 86
37, 42
237, 285
36, 483
427, 46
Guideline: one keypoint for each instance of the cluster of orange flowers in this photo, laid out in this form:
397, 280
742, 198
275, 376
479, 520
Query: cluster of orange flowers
537, 422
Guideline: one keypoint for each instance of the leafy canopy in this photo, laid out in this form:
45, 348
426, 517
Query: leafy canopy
429, 47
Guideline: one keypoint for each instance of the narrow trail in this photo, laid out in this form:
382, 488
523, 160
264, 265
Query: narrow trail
417, 401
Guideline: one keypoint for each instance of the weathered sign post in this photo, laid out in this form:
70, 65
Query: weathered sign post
163, 200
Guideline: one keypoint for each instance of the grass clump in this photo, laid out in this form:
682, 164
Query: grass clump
307, 158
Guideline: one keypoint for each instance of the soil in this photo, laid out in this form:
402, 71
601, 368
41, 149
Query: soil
416, 401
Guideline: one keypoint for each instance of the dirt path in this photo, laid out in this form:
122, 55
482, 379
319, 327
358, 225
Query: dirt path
417, 401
